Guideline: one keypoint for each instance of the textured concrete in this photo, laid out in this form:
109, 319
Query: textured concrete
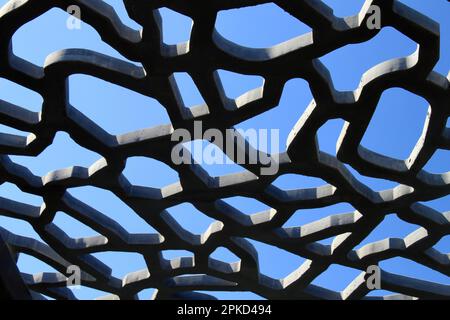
206, 52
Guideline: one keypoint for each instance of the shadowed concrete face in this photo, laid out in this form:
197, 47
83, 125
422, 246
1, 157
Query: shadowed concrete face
201, 57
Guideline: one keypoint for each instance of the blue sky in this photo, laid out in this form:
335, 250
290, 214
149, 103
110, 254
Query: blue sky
393, 131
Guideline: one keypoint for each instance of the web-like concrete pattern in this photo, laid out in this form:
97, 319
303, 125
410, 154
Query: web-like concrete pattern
205, 53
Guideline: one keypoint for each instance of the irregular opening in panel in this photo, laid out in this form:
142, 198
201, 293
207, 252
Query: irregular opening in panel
275, 262
292, 181
173, 254
12, 192
11, 130
388, 44
328, 135
397, 124
191, 219
20, 96
329, 279
280, 120
108, 204
409, 268
305, 216
121, 11
116, 109
148, 172
176, 27
246, 205
29, 264
236, 84
440, 204
253, 26
147, 294
189, 92
443, 245
376, 184
439, 162
225, 255
438, 11
19, 227
53, 24
211, 158
61, 154
121, 263
345, 8
380, 293
235, 295
86, 293
326, 242
72, 227
391, 227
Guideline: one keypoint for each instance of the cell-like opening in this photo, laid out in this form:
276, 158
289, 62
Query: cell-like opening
31, 265
376, 184
147, 294
191, 219
345, 8
19, 227
108, 204
189, 92
121, 11
121, 263
440, 204
292, 181
12, 192
329, 279
72, 227
305, 216
397, 124
173, 254
225, 255
439, 163
236, 84
328, 135
246, 205
87, 293
54, 24
61, 154
148, 172
20, 96
176, 26
116, 109
386, 45
443, 245
253, 26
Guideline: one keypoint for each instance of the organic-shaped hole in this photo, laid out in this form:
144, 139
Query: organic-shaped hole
23, 97
121, 11
376, 184
188, 90
190, 219
14, 131
439, 162
148, 172
327, 241
108, 204
86, 293
409, 268
176, 27
72, 227
292, 181
286, 262
345, 8
336, 277
246, 205
121, 263
114, 108
235, 295
440, 204
380, 293
396, 124
236, 84
173, 254
212, 159
328, 135
391, 227
53, 24
294, 100
62, 153
438, 13
12, 192
443, 245
225, 255
19, 227
305, 216
147, 294
31, 265
253, 26
388, 44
